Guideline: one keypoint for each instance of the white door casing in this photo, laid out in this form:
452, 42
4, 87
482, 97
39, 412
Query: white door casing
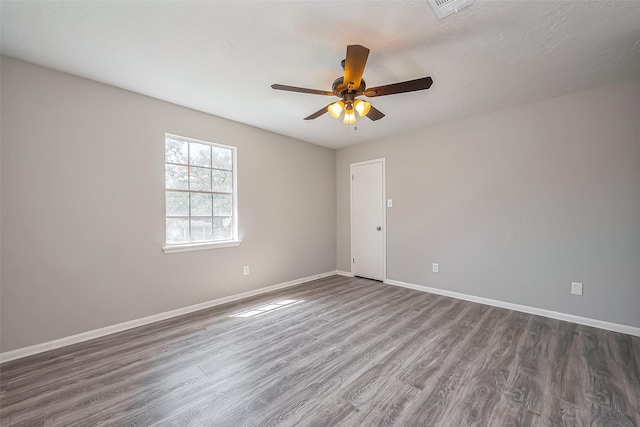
368, 219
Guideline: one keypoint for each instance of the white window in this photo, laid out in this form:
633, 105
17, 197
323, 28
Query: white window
201, 194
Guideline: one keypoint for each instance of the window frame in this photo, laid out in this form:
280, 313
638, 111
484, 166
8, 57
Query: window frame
207, 244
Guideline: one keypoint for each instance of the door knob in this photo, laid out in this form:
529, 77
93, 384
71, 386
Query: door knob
378, 228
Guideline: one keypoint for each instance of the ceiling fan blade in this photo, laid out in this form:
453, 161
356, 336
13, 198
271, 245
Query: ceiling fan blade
402, 87
318, 113
375, 114
354, 64
301, 90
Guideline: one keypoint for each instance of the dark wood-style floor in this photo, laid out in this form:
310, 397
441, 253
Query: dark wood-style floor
348, 352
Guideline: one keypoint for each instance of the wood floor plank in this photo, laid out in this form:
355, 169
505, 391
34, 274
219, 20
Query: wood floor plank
511, 414
567, 377
452, 329
609, 403
478, 399
621, 347
187, 404
382, 403
482, 380
348, 352
439, 373
557, 412
527, 379
331, 412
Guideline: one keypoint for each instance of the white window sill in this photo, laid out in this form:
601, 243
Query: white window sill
200, 246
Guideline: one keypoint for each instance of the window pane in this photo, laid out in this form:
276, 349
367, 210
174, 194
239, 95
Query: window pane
177, 230
177, 204
222, 181
222, 228
200, 179
222, 205
201, 229
175, 151
193, 172
200, 204
222, 158
177, 177
200, 154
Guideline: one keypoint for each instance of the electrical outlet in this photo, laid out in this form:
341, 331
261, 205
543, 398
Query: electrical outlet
389, 203
435, 267
245, 270
576, 288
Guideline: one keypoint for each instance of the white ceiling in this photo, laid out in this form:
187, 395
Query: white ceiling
222, 57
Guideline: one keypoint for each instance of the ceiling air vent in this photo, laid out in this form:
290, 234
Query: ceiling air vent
447, 7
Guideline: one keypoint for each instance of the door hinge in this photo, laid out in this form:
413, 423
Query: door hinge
353, 260
351, 177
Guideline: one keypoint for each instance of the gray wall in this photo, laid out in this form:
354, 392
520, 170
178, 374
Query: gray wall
83, 208
517, 204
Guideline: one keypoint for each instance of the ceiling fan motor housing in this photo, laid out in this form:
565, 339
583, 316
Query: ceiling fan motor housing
341, 90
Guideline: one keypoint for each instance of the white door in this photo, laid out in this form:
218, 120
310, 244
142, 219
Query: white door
368, 219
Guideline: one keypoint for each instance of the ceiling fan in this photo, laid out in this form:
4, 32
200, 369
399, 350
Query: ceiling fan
352, 85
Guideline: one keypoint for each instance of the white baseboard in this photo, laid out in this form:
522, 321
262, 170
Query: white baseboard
344, 273
616, 327
108, 330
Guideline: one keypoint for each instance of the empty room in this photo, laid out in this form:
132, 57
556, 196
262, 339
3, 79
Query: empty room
320, 213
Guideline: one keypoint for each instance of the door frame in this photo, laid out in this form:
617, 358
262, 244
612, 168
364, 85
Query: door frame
382, 160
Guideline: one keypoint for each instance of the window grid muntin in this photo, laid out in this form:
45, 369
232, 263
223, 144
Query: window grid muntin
196, 166
233, 193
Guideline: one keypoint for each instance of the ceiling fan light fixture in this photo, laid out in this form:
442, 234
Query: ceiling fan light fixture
335, 109
349, 116
352, 85
362, 107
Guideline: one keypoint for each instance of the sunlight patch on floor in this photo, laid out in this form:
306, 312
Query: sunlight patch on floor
255, 312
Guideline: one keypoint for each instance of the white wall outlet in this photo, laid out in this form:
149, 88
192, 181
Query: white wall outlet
435, 267
389, 203
576, 288
245, 270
